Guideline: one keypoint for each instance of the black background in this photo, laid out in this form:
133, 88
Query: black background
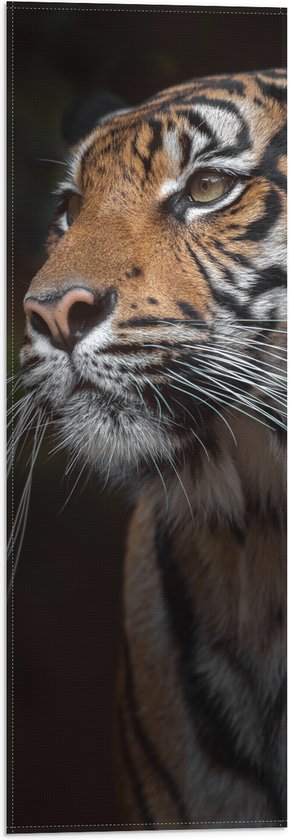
67, 591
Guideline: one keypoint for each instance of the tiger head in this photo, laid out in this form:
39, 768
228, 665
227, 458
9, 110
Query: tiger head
159, 309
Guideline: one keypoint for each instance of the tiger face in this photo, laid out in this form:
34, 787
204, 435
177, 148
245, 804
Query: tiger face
159, 310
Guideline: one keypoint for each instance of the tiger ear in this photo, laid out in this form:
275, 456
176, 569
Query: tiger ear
85, 112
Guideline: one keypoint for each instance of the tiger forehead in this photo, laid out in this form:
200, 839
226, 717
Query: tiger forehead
202, 116
170, 137
139, 143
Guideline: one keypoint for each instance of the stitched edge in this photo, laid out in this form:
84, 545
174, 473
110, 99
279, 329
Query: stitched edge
12, 412
148, 10
138, 824
282, 13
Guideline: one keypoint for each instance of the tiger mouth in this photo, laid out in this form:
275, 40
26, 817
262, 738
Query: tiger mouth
112, 402
170, 386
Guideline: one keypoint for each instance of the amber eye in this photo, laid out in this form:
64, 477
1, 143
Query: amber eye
73, 207
208, 185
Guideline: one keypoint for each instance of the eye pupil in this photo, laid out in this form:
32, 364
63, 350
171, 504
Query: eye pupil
209, 185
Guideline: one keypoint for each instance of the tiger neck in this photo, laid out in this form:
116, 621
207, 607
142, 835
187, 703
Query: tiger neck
224, 528
244, 480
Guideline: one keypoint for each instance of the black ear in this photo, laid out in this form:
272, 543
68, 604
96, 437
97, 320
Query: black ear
84, 112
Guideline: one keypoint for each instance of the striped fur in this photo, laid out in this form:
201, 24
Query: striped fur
181, 389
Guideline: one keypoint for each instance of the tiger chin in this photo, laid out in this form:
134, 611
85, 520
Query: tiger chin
155, 338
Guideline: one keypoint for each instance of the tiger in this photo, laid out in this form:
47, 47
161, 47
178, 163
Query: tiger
155, 340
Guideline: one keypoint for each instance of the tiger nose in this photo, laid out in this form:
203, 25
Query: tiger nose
69, 318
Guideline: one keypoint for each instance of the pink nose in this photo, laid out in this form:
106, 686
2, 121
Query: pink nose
67, 319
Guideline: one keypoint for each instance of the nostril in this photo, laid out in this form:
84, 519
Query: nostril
69, 317
39, 325
82, 317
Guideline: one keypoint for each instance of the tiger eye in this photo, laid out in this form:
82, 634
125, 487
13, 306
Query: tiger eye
208, 185
73, 208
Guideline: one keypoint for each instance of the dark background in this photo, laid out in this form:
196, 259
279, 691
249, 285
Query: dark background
67, 591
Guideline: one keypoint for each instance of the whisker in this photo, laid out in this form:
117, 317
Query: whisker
254, 342
224, 401
184, 407
240, 358
239, 396
49, 160
73, 488
200, 399
149, 382
19, 524
140, 394
162, 480
17, 406
264, 329
231, 375
171, 462
109, 463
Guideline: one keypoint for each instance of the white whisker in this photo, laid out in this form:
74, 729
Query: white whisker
171, 462
19, 524
240, 396
73, 488
200, 399
162, 480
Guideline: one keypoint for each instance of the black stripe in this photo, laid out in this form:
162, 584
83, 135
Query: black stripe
274, 73
268, 166
236, 257
207, 252
198, 122
275, 778
211, 722
223, 104
186, 146
267, 278
225, 298
135, 782
231, 86
150, 320
275, 713
241, 144
272, 91
154, 144
223, 82
205, 707
146, 743
122, 350
258, 230
243, 140
157, 139
228, 275
272, 277
198, 262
